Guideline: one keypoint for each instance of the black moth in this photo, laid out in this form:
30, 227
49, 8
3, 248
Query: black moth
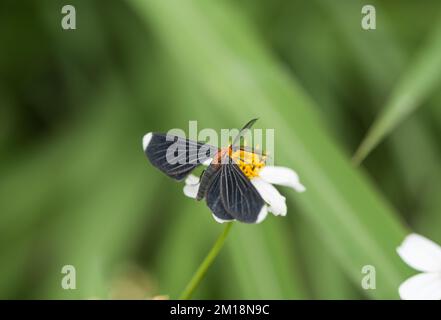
227, 190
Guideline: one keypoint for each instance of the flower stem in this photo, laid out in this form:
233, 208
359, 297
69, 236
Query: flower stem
205, 265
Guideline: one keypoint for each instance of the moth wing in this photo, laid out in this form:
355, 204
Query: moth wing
214, 199
174, 155
239, 197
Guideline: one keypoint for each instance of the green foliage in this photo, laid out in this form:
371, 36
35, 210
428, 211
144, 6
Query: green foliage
76, 188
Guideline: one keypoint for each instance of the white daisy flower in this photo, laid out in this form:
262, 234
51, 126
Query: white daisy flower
262, 177
423, 255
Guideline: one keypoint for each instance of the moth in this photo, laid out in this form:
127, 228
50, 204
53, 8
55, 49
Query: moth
226, 189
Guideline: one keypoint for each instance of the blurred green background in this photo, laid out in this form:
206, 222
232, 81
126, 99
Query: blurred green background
76, 188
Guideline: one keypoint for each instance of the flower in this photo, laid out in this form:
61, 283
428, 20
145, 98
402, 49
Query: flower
423, 255
262, 177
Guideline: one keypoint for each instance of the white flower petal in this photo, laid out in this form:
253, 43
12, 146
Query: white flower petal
219, 220
277, 202
282, 176
191, 186
146, 140
423, 286
420, 253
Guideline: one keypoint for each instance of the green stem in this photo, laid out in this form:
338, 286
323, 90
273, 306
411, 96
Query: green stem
205, 265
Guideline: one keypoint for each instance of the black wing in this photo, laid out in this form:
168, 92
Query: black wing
176, 156
239, 197
214, 200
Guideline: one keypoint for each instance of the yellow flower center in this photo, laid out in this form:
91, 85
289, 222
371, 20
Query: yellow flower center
250, 163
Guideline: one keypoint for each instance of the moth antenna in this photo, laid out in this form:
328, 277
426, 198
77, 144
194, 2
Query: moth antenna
244, 129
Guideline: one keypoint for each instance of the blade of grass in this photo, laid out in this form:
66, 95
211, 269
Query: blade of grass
331, 284
422, 77
412, 143
264, 263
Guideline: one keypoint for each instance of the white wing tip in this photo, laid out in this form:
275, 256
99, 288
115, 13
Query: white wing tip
146, 140
219, 220
262, 214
